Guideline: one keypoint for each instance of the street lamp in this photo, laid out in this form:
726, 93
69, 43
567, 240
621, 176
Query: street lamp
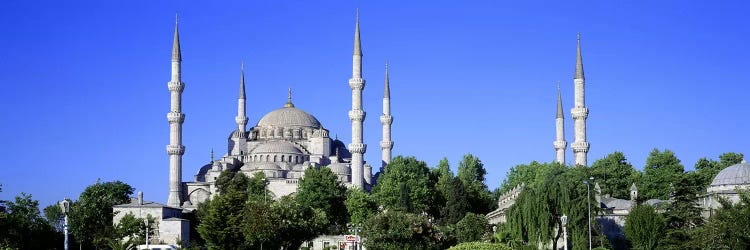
356, 228
588, 201
564, 220
65, 207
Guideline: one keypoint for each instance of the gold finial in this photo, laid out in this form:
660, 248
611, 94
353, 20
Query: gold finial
289, 103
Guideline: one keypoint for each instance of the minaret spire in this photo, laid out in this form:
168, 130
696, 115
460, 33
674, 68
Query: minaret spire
580, 113
357, 115
560, 144
386, 145
241, 118
175, 149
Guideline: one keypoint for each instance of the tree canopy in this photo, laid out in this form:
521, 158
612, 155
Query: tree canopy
614, 174
662, 170
91, 215
644, 227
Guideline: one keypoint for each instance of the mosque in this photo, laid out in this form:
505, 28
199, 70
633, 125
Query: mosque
281, 145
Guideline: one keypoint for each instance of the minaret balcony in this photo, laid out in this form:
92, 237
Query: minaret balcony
175, 149
386, 119
357, 148
357, 115
386, 144
176, 86
580, 146
579, 112
175, 117
357, 83
560, 144
241, 119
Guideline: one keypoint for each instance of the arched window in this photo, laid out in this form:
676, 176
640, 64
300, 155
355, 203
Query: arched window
275, 158
282, 158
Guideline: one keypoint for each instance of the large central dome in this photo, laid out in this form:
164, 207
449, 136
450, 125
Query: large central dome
288, 117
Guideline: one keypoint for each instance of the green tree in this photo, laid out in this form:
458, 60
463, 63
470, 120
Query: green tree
395, 229
683, 214
458, 204
91, 215
471, 172
728, 227
555, 190
614, 174
405, 180
662, 170
443, 178
221, 218
644, 227
360, 206
25, 228
298, 223
320, 189
54, 216
473, 227
521, 174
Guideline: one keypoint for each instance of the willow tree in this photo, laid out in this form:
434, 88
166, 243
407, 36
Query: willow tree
535, 218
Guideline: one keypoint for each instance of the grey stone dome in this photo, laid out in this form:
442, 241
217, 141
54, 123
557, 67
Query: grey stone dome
288, 117
340, 168
276, 147
738, 174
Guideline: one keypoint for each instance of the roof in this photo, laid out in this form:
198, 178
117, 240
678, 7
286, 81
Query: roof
289, 117
738, 174
273, 147
147, 204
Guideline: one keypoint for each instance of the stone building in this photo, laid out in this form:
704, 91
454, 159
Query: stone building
281, 145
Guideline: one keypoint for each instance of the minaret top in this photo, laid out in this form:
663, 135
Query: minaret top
242, 80
387, 91
176, 55
579, 60
559, 102
289, 103
357, 43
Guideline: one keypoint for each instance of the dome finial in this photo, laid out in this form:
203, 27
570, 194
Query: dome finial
212, 155
289, 103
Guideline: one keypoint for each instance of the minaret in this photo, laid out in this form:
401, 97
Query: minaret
175, 118
241, 118
386, 145
357, 115
238, 140
559, 143
580, 112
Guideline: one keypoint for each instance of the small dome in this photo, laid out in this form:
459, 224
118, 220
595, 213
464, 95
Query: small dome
266, 166
340, 168
276, 147
738, 174
288, 117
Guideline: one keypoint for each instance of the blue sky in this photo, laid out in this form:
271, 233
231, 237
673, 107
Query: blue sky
84, 93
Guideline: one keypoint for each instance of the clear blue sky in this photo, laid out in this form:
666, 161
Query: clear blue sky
84, 83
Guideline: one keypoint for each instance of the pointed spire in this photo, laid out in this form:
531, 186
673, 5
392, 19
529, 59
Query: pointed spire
212, 155
242, 80
559, 102
289, 103
579, 60
176, 55
387, 91
357, 43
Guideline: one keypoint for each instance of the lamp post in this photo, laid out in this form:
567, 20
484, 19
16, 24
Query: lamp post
356, 228
564, 220
264, 201
65, 207
588, 201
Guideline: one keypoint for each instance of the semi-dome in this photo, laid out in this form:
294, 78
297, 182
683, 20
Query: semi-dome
738, 174
288, 117
276, 147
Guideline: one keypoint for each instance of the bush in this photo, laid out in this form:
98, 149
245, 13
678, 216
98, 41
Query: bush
480, 246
